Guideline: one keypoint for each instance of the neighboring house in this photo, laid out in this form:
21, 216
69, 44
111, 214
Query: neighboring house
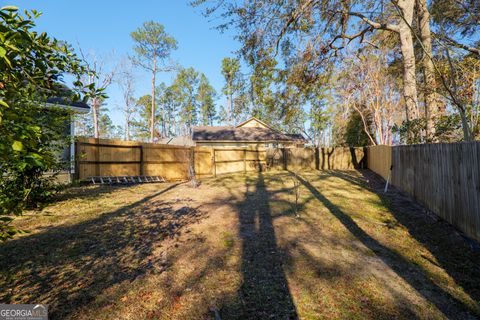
250, 133
68, 155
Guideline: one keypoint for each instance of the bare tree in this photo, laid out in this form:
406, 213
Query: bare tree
99, 78
370, 90
126, 82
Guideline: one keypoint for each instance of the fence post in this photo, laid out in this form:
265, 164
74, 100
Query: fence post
142, 162
214, 163
76, 158
97, 157
191, 166
245, 160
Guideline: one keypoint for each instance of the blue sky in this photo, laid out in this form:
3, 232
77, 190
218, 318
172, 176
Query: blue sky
104, 26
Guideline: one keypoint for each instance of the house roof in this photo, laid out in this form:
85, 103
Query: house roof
65, 102
207, 133
63, 99
253, 119
296, 136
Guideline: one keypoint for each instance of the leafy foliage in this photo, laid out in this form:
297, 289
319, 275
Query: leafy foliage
185, 88
31, 66
141, 125
355, 135
152, 43
448, 128
233, 90
206, 99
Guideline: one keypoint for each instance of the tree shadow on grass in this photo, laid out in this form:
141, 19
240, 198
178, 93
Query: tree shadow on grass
412, 274
87, 192
68, 266
264, 293
456, 254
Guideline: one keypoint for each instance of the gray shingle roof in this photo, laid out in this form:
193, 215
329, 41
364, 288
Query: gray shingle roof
207, 133
66, 102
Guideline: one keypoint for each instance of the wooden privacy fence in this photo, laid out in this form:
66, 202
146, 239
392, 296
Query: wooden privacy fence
102, 157
316, 158
230, 160
445, 178
380, 160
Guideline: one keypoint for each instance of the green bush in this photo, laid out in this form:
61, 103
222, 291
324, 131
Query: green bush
31, 69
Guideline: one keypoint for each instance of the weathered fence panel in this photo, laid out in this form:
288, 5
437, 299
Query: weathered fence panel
444, 177
255, 159
341, 158
228, 160
105, 157
301, 158
380, 160
203, 159
316, 158
231, 160
97, 157
276, 158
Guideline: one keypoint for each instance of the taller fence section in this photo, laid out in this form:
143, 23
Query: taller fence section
445, 178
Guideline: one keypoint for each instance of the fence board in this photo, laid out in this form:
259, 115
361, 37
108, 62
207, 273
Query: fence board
379, 160
445, 178
102, 157
203, 160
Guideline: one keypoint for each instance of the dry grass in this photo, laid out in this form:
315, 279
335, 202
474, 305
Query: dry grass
234, 247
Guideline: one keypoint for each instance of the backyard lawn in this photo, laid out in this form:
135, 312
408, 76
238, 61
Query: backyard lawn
233, 248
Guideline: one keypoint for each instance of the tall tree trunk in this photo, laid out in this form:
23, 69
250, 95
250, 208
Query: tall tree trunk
127, 127
457, 101
164, 128
152, 121
96, 132
430, 91
409, 71
230, 109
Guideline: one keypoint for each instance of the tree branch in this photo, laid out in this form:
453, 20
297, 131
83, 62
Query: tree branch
373, 24
294, 17
456, 44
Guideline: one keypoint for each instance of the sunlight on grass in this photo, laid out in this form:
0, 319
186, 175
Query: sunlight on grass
234, 246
